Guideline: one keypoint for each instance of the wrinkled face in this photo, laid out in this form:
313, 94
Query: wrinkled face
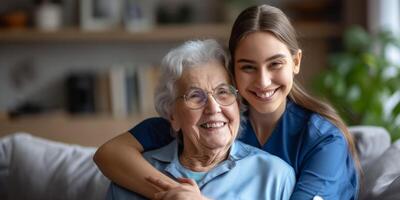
212, 126
264, 71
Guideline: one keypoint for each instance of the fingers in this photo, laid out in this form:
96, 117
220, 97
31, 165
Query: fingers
187, 189
187, 181
160, 183
160, 195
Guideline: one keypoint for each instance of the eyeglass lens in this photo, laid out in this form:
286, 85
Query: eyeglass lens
197, 98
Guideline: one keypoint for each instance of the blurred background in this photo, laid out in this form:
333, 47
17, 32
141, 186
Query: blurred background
82, 71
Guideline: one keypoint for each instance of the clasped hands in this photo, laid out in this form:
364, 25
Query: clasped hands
187, 189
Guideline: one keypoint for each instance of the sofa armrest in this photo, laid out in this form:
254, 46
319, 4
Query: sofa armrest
382, 177
44, 169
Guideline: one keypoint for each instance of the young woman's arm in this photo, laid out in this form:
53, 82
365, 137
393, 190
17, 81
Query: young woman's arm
120, 160
328, 171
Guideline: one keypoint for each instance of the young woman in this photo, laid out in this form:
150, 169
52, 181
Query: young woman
281, 118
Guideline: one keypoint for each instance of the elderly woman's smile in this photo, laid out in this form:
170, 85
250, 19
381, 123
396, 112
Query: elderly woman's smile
213, 124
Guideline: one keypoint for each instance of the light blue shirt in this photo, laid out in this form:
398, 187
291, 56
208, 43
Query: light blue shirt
248, 173
307, 141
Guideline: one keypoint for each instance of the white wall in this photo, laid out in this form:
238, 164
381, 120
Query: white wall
385, 15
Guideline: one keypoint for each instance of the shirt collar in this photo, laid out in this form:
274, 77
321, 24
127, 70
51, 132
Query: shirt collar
169, 153
166, 153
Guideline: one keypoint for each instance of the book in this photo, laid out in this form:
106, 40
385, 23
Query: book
102, 93
148, 77
132, 91
80, 93
119, 106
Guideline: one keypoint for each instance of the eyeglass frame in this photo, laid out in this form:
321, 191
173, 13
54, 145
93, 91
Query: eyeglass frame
232, 89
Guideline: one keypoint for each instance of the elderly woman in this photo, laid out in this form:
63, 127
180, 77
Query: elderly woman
196, 96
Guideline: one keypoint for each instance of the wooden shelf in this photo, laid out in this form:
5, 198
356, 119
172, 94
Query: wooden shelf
168, 33
87, 130
158, 34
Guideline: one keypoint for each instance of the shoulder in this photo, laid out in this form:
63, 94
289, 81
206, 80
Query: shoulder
266, 162
316, 131
322, 139
274, 171
154, 123
161, 156
321, 130
322, 126
317, 126
153, 133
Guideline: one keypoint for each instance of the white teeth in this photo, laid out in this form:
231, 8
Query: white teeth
213, 125
266, 94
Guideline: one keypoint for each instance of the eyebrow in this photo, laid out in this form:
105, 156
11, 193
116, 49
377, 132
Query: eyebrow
266, 60
219, 85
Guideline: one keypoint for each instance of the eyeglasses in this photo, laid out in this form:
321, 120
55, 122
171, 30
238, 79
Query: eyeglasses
196, 98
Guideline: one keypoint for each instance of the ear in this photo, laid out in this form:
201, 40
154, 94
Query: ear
297, 61
234, 82
174, 122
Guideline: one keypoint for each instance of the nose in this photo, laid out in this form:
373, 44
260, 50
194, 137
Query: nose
212, 106
263, 79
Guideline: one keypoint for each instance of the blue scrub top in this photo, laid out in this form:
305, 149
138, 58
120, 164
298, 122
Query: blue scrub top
312, 145
247, 173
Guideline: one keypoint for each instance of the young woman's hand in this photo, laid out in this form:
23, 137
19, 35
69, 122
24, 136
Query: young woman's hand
187, 189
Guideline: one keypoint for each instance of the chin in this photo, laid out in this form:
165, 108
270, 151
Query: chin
268, 107
218, 143
265, 108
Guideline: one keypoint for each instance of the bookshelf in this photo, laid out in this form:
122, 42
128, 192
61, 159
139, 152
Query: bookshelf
166, 33
95, 129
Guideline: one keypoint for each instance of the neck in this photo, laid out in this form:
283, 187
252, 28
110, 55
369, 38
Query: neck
264, 123
200, 159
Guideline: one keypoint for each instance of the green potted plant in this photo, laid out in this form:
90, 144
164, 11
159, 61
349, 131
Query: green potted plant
362, 83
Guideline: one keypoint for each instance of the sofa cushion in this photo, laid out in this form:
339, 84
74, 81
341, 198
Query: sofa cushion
370, 141
5, 157
382, 176
36, 168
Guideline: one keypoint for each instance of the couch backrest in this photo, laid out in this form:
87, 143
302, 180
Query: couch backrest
35, 168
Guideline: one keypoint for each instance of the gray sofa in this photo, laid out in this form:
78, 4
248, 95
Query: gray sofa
380, 161
36, 168
39, 169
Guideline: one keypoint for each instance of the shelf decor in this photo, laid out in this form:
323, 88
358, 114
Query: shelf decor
139, 15
99, 15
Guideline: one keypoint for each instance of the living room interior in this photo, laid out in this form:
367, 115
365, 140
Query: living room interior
76, 73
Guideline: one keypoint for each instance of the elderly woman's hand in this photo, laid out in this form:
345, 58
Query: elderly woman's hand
188, 189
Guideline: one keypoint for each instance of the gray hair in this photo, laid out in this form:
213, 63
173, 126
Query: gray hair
191, 53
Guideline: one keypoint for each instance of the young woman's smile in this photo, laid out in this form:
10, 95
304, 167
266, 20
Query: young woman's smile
264, 71
265, 95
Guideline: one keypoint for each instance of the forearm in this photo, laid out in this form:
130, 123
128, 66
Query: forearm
121, 161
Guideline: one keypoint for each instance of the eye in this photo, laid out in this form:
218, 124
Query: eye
248, 68
195, 95
223, 90
276, 64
